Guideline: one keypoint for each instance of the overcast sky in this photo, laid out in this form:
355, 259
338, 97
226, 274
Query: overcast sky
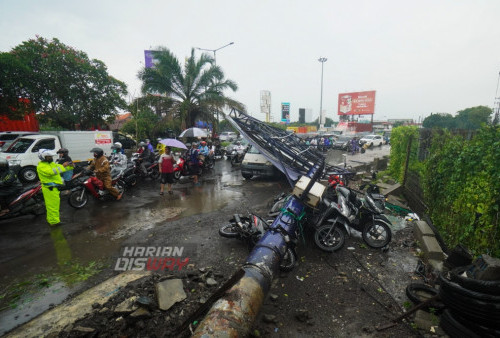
419, 56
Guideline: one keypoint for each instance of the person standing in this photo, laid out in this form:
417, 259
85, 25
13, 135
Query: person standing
9, 186
50, 177
166, 165
100, 165
194, 165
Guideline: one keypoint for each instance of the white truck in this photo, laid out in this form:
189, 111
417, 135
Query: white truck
22, 155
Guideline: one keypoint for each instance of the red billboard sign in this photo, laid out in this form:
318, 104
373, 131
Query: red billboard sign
357, 103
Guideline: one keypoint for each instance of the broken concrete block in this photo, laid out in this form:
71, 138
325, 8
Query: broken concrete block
170, 292
422, 229
431, 248
487, 268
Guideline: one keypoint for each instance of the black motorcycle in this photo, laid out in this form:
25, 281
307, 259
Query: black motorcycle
250, 229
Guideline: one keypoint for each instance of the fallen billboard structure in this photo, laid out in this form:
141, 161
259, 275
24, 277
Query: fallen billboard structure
286, 151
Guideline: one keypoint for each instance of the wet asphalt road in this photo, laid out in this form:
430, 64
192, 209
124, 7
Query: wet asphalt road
29, 247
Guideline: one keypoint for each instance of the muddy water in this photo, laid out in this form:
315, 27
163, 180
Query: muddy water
28, 247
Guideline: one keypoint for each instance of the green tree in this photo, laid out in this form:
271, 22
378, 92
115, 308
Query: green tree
472, 118
11, 89
196, 90
439, 120
63, 84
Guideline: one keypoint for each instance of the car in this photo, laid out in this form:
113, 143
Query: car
228, 136
342, 142
371, 140
8, 137
254, 163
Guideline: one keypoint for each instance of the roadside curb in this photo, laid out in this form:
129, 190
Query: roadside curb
55, 320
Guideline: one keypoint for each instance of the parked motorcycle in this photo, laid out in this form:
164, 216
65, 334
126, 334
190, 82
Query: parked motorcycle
28, 201
250, 229
350, 212
88, 184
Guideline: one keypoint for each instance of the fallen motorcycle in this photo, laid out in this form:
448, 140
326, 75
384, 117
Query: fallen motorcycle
28, 201
250, 229
88, 184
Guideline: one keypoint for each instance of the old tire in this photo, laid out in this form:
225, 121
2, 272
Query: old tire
28, 174
329, 237
488, 287
229, 230
78, 200
377, 235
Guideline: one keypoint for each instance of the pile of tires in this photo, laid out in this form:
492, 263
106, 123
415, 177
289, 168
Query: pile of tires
472, 305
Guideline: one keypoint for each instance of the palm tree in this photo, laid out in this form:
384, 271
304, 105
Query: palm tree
196, 91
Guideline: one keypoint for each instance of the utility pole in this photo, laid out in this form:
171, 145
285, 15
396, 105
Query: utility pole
321, 117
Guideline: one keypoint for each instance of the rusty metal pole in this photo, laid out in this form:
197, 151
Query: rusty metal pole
234, 314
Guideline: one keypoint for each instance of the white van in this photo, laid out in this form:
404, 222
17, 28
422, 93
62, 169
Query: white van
254, 163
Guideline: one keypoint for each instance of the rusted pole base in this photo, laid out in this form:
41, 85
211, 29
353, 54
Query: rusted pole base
234, 315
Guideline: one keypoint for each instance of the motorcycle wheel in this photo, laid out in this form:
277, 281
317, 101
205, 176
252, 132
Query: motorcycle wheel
211, 164
77, 200
289, 260
377, 235
229, 230
177, 175
329, 238
233, 160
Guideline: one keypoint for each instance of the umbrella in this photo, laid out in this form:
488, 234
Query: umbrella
171, 142
193, 132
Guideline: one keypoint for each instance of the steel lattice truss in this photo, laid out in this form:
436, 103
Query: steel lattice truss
286, 151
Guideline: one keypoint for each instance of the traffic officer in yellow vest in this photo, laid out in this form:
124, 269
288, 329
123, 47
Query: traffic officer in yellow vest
50, 177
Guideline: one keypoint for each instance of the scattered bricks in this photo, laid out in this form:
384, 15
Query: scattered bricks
431, 248
422, 229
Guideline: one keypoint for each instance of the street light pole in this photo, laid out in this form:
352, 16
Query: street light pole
215, 63
215, 50
321, 124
